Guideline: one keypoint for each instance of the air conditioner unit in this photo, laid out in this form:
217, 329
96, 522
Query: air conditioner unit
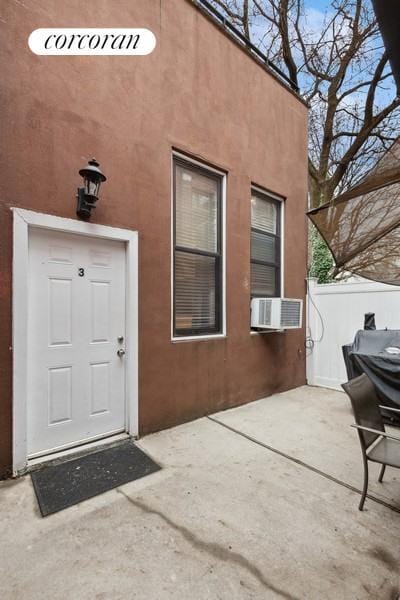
276, 313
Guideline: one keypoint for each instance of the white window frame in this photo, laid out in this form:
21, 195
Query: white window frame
23, 220
222, 174
282, 200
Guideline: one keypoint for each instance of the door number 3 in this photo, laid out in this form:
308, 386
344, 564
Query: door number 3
81, 272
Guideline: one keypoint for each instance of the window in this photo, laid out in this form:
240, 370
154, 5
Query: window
197, 250
265, 246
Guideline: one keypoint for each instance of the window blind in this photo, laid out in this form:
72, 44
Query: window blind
197, 251
265, 269
264, 214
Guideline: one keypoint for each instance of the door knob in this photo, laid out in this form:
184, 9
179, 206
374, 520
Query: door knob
121, 352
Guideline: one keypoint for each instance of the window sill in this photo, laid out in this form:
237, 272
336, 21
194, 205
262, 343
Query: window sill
198, 338
252, 332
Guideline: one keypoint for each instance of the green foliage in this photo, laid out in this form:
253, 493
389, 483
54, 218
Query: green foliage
321, 259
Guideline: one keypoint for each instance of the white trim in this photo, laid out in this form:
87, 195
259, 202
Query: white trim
172, 244
252, 332
265, 192
74, 447
77, 449
350, 287
194, 161
223, 241
23, 220
198, 338
19, 344
282, 211
223, 176
280, 199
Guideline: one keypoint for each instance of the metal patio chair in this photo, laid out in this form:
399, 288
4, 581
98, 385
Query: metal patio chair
376, 445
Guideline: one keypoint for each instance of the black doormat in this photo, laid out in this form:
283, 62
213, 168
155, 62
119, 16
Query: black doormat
62, 485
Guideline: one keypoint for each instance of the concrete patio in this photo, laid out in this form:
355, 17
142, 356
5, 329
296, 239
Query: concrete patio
270, 515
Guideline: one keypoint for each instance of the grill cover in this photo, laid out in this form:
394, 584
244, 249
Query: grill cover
367, 354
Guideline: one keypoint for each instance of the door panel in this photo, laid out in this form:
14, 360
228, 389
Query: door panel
100, 388
60, 311
76, 380
100, 301
60, 394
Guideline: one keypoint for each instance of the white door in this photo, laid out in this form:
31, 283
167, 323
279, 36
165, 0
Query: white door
76, 326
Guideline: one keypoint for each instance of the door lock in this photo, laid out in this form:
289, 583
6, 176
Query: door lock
120, 339
121, 352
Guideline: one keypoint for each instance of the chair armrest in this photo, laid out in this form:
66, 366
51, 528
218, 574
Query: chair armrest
382, 433
390, 408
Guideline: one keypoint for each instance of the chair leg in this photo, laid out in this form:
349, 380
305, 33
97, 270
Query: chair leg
381, 474
365, 487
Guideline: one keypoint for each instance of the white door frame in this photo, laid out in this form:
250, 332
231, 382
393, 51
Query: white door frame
23, 220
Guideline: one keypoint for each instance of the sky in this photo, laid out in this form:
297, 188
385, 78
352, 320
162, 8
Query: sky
316, 10
318, 4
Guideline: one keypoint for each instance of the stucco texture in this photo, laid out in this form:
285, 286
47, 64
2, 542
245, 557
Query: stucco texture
197, 92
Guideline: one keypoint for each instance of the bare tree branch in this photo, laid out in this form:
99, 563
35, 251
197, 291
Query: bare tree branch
343, 73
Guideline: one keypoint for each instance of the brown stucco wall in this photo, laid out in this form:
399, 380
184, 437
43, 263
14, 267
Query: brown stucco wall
197, 92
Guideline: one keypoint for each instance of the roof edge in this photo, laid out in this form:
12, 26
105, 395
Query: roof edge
199, 5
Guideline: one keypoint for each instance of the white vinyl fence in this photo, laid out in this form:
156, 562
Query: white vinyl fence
335, 312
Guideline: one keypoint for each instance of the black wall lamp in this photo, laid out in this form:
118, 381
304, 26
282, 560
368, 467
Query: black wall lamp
88, 195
